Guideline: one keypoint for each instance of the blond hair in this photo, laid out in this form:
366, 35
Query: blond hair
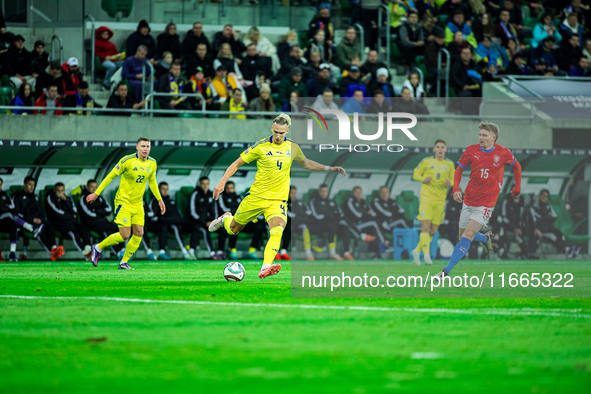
490, 127
283, 119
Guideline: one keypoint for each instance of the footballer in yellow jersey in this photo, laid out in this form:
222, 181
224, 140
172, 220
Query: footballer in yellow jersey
135, 170
437, 174
269, 193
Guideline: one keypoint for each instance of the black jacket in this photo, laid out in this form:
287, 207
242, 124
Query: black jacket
135, 39
39, 63
459, 75
95, 212
237, 45
324, 209
543, 216
206, 64
299, 211
229, 202
388, 211
27, 206
202, 206
58, 210
6, 205
189, 45
356, 211
17, 62
255, 65
169, 43
512, 213
172, 214
115, 102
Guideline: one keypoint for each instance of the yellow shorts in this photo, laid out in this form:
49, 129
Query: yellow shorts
251, 207
126, 215
431, 211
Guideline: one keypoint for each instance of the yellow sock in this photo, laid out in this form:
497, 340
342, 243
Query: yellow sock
131, 248
273, 244
307, 240
227, 221
424, 243
233, 250
111, 240
251, 250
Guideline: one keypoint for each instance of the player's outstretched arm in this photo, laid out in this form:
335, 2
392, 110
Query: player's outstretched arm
314, 166
93, 196
457, 179
231, 170
156, 192
517, 174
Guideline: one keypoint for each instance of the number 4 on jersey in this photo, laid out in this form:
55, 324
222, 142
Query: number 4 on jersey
279, 164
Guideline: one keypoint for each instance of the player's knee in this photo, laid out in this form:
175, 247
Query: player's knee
138, 232
125, 235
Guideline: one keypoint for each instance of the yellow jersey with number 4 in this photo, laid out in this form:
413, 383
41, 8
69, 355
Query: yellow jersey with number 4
439, 170
273, 166
135, 174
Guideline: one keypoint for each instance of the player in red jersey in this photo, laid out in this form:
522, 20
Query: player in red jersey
487, 161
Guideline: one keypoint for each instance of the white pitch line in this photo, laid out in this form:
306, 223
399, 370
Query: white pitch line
570, 313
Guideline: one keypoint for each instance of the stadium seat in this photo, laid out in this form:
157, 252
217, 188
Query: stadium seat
564, 222
6, 96
113, 7
308, 196
342, 196
410, 203
182, 200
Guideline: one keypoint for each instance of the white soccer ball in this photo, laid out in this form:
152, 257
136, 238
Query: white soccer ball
234, 271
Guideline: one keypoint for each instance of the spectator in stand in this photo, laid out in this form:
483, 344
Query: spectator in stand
263, 48
354, 104
412, 41
133, 68
171, 222
381, 83
543, 217
517, 66
294, 103
30, 216
509, 52
432, 52
172, 82
6, 38
194, 37
107, 53
398, 10
319, 44
348, 50
39, 58
325, 101
370, 22
236, 103
121, 100
321, 21
263, 103
316, 86
201, 59
505, 29
292, 82
569, 54
285, 43
464, 77
295, 59
63, 214
202, 208
141, 37
485, 54
413, 83
325, 221
198, 84
581, 69
69, 81
371, 65
379, 103
17, 63
228, 36
512, 220
221, 87
352, 82
587, 50
428, 26
361, 221
7, 224
312, 67
483, 25
169, 41
427, 8
389, 215
24, 98
47, 77
409, 104
84, 99
545, 28
227, 59
94, 216
50, 100
455, 47
163, 65
543, 56
451, 7
515, 17
456, 24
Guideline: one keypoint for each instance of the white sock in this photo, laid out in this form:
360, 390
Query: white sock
162, 251
13, 247
332, 251
309, 253
191, 251
363, 235
150, 251
98, 248
122, 262
212, 253
283, 251
220, 252
28, 227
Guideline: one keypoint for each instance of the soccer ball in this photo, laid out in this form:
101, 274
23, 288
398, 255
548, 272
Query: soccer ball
234, 271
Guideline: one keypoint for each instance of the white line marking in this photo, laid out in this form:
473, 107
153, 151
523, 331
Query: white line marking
426, 355
571, 313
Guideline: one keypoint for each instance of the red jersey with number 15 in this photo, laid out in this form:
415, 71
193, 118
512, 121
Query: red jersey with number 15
486, 176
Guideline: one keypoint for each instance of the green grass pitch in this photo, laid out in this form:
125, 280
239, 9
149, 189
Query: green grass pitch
87, 330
